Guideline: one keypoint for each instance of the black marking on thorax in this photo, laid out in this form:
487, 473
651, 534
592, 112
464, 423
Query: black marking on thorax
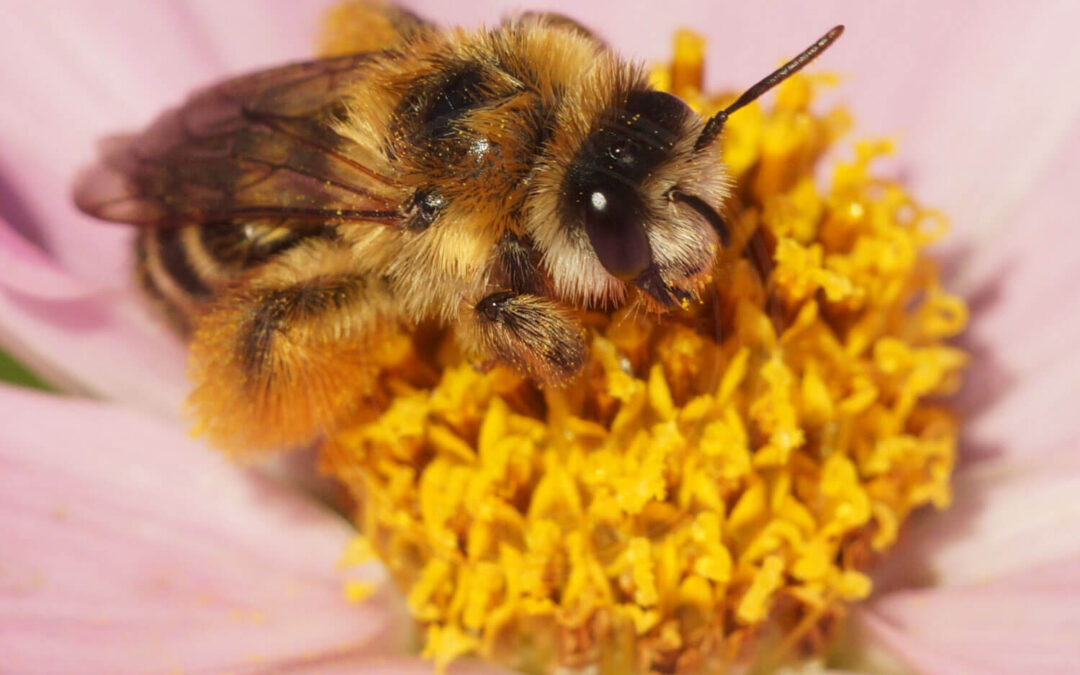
434, 113
429, 110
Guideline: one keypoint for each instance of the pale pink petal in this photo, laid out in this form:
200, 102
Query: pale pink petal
82, 338
72, 73
1021, 393
992, 584
1022, 623
25, 268
1008, 516
249, 34
128, 549
958, 594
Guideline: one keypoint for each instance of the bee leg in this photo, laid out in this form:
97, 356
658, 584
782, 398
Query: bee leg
533, 334
286, 352
367, 26
757, 252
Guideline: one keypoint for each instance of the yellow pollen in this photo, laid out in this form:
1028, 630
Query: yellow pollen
358, 591
717, 482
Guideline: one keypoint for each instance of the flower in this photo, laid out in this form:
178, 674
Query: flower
982, 145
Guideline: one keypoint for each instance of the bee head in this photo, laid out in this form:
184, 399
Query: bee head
630, 191
644, 198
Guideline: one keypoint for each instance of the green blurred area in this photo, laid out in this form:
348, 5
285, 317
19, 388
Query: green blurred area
16, 373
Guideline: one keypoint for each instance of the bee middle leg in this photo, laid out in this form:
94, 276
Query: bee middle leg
533, 334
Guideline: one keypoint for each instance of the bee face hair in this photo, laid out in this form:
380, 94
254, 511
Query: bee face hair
606, 208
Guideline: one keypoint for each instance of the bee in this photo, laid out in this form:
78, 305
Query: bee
497, 182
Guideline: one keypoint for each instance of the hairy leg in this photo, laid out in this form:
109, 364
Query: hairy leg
531, 333
367, 26
286, 352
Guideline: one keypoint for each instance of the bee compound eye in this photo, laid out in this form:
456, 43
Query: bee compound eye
613, 222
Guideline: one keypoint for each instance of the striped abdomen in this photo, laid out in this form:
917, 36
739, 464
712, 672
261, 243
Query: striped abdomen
182, 269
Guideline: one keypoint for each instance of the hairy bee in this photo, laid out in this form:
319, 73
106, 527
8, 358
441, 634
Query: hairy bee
495, 181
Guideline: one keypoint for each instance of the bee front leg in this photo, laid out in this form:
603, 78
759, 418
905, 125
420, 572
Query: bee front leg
531, 333
286, 352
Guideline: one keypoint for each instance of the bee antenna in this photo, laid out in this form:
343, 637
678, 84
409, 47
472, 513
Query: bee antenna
716, 123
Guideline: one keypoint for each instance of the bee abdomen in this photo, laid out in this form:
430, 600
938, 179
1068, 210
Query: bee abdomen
165, 271
183, 269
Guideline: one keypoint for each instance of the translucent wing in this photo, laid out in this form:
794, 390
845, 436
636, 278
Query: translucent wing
259, 146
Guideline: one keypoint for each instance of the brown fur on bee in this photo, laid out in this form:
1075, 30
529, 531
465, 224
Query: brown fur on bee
289, 348
495, 181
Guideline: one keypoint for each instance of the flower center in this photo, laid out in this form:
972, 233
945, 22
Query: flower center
713, 488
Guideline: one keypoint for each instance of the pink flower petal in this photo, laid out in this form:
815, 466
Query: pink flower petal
128, 548
990, 585
1022, 386
249, 34
86, 339
1023, 623
1007, 517
26, 269
83, 337
72, 74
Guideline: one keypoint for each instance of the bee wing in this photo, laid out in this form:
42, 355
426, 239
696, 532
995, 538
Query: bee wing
256, 146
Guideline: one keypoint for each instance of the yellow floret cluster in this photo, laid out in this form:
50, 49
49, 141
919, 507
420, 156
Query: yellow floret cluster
713, 488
